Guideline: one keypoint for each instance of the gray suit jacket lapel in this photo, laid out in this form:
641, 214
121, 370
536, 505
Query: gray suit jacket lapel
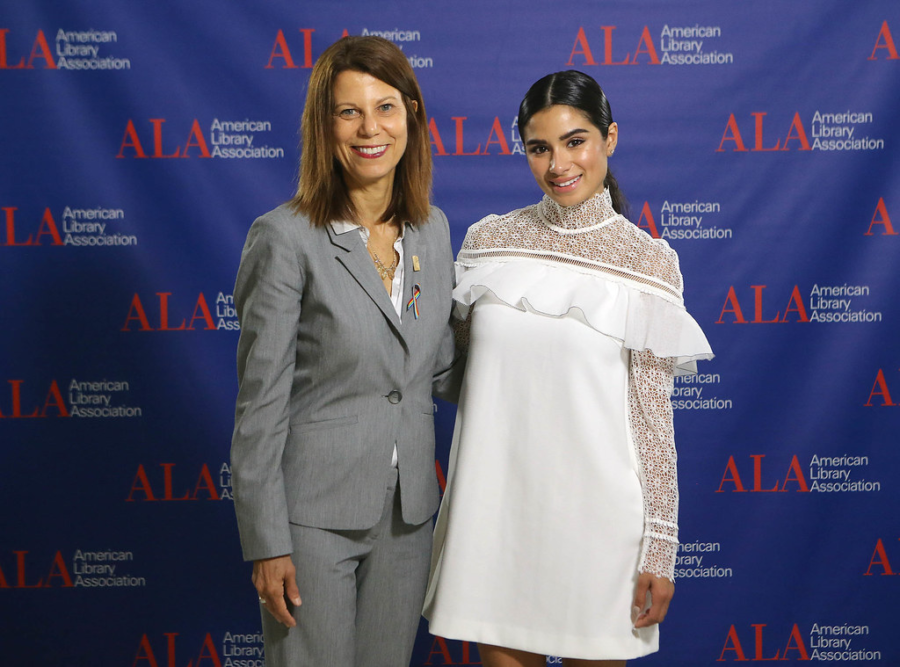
356, 259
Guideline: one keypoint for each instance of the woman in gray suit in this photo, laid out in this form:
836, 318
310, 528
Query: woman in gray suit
343, 295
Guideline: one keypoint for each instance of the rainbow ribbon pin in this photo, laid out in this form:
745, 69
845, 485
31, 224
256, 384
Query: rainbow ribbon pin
414, 301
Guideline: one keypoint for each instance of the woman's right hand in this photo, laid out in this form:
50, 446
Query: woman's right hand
276, 582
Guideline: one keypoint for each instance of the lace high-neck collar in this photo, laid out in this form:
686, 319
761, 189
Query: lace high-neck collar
589, 214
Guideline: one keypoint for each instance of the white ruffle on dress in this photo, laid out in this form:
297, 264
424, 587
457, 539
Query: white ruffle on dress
562, 482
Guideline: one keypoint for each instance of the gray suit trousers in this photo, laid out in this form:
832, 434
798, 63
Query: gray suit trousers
361, 592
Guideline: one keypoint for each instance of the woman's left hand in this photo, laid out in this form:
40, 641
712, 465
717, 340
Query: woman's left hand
661, 591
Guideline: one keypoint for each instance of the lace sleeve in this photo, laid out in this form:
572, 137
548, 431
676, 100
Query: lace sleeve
650, 386
461, 333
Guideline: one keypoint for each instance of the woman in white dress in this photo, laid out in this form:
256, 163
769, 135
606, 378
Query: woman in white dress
558, 530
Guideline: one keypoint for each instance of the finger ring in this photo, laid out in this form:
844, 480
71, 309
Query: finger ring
262, 601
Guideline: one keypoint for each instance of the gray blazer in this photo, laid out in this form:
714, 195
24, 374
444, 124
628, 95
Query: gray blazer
330, 379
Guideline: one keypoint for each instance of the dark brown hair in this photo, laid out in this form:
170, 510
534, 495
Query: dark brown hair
578, 90
321, 192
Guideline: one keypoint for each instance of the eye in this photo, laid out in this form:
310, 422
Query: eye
576, 142
387, 108
348, 113
537, 150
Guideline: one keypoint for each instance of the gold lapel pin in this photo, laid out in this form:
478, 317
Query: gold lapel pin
416, 266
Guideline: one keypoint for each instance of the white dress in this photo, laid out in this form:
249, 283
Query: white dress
562, 483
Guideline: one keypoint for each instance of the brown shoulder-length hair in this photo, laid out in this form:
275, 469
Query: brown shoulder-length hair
321, 192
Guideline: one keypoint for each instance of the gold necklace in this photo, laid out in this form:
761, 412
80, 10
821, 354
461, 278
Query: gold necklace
386, 272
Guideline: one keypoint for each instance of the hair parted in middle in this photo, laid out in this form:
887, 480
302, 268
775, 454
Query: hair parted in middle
321, 192
579, 91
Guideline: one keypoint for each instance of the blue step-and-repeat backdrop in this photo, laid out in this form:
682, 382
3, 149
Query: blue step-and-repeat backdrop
138, 141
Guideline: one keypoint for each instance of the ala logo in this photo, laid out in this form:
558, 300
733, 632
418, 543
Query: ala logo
162, 483
20, 571
296, 52
86, 398
825, 303
825, 474
495, 142
172, 653
679, 45
87, 569
757, 648
733, 136
829, 642
881, 217
582, 54
830, 131
683, 220
884, 48
228, 138
732, 481
74, 50
80, 227
195, 144
201, 316
794, 310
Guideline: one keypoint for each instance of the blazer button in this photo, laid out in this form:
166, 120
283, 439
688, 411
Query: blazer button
395, 397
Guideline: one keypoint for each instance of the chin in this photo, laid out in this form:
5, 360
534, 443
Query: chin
567, 199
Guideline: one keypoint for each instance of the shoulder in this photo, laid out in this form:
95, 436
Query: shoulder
436, 224
647, 255
284, 232
281, 241
433, 233
281, 223
493, 229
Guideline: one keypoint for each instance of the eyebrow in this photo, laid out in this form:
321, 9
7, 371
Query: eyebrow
377, 103
567, 135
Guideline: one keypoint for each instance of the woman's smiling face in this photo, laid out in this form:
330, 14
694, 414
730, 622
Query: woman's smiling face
369, 128
567, 153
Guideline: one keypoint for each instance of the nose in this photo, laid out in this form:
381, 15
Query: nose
559, 163
368, 126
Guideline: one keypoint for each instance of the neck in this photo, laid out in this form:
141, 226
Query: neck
588, 213
370, 202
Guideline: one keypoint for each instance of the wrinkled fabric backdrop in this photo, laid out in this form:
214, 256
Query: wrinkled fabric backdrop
138, 142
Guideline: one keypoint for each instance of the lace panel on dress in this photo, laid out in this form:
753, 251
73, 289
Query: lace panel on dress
590, 235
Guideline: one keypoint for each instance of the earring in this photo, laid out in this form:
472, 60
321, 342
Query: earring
611, 152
